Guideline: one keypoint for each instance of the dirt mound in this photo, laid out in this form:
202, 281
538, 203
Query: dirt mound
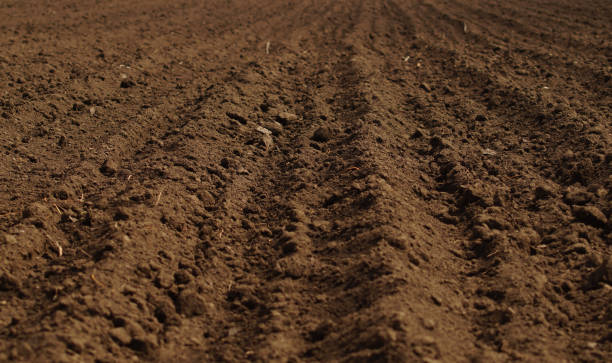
305, 181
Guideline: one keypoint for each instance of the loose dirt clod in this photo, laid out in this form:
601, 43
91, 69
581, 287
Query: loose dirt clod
322, 134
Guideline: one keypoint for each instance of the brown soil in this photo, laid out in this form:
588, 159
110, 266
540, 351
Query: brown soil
323, 180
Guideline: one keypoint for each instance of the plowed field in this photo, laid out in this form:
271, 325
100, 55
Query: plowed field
318, 180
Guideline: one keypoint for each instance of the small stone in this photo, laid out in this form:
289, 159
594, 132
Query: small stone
322, 134
109, 168
190, 303
120, 335
285, 117
591, 345
590, 215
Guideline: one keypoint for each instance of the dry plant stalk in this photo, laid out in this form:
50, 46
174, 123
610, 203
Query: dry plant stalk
58, 248
158, 198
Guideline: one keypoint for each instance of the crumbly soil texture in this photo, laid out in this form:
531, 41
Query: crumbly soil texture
304, 181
